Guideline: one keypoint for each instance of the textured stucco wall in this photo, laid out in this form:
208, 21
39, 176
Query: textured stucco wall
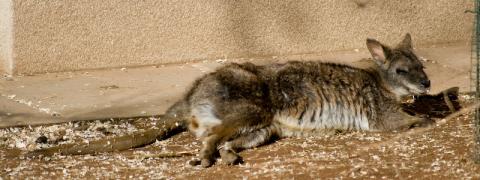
6, 35
59, 35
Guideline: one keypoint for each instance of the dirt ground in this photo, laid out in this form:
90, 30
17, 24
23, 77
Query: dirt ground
440, 152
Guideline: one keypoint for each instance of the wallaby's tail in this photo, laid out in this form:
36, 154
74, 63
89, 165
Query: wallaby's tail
173, 122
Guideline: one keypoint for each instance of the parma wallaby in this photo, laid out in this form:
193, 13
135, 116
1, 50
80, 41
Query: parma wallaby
241, 106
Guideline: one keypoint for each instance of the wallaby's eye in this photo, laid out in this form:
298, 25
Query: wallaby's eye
401, 71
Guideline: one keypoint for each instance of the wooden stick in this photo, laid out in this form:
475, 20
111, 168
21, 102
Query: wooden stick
165, 155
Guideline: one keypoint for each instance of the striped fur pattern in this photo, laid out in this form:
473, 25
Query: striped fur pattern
241, 106
340, 100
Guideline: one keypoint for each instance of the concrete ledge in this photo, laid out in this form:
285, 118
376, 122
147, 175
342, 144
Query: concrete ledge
57, 35
129, 92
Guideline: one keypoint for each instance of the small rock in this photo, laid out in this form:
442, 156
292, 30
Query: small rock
104, 130
3, 139
423, 59
20, 144
45, 110
62, 133
81, 127
42, 140
221, 60
8, 77
109, 87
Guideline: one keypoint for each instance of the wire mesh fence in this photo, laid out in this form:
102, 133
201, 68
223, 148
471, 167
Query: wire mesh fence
475, 85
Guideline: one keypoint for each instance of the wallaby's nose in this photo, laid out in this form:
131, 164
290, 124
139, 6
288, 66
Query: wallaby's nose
425, 83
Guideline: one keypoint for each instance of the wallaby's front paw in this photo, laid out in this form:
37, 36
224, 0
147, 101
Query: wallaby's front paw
229, 157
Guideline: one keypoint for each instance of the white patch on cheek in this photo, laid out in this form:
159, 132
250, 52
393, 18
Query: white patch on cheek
413, 88
400, 91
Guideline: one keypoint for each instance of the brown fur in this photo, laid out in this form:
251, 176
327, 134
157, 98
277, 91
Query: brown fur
241, 106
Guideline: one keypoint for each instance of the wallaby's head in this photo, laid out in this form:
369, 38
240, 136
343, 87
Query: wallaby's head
400, 68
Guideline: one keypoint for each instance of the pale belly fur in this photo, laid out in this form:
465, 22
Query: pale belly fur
318, 119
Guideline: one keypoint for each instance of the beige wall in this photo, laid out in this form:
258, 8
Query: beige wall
6, 35
61, 35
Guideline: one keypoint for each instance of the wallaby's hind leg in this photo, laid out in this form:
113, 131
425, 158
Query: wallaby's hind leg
250, 140
207, 153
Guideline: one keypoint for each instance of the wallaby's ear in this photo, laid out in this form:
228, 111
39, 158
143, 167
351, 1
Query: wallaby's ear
406, 42
379, 52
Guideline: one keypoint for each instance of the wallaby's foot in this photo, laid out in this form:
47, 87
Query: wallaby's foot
229, 157
203, 162
208, 153
424, 121
207, 162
